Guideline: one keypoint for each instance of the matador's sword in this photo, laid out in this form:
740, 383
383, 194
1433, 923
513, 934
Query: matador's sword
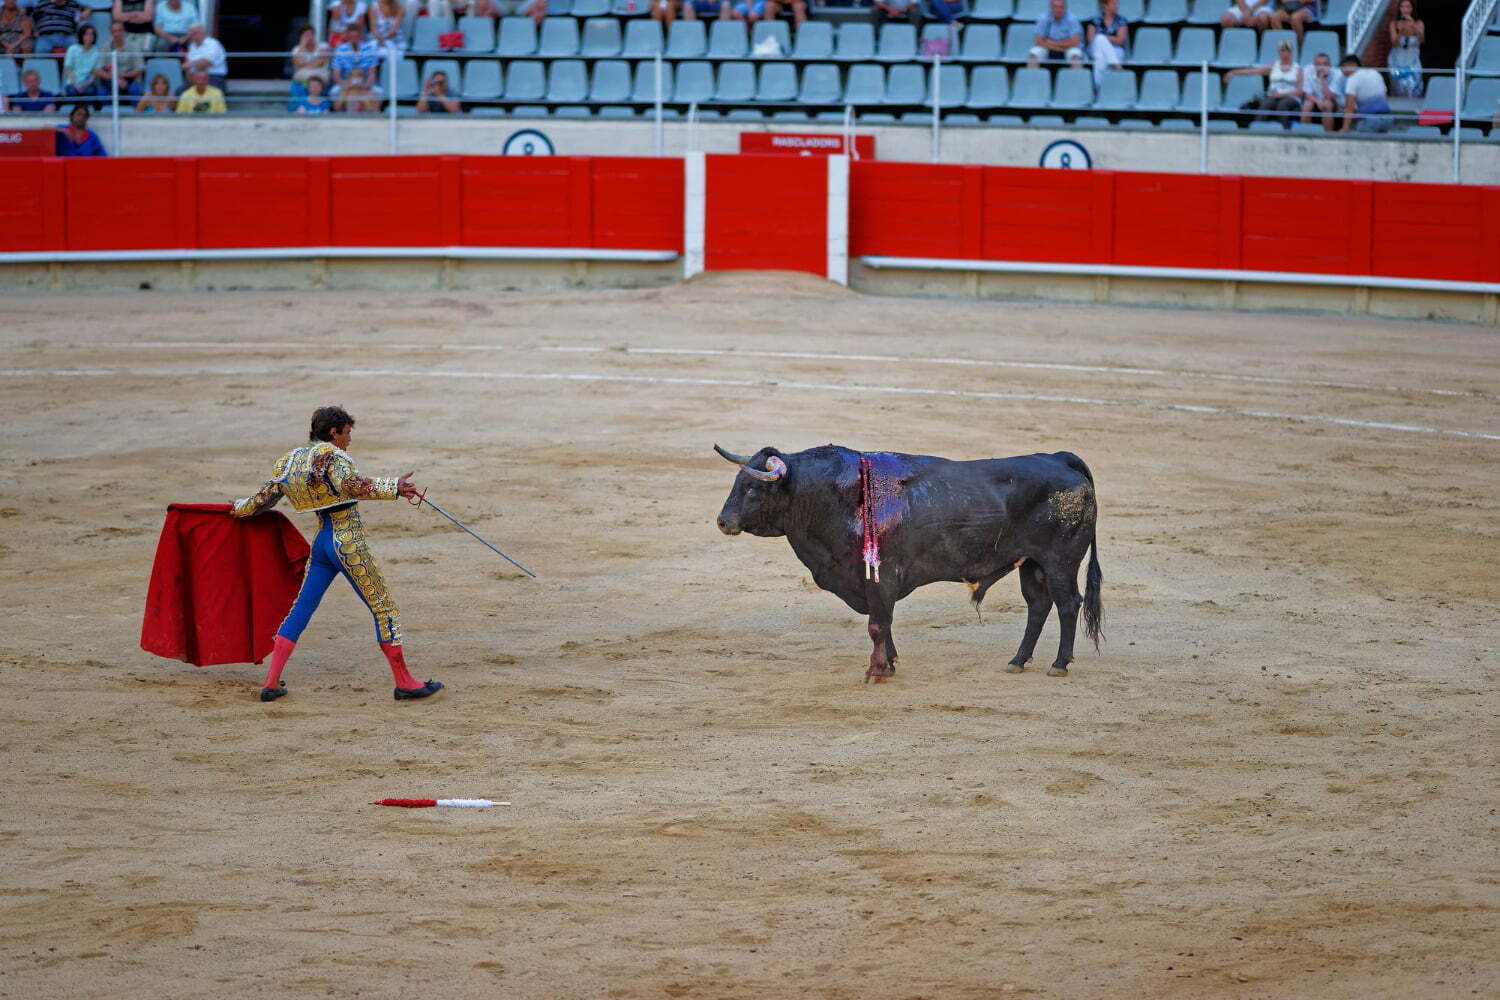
417, 499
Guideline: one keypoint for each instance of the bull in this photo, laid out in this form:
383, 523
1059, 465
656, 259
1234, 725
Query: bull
929, 520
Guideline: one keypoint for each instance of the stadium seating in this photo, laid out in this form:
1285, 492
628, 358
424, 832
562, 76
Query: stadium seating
1117, 92
525, 80
777, 30
687, 40
559, 38
1150, 47
727, 40
479, 33
567, 82
854, 42
695, 82
425, 36
1239, 91
601, 38
1487, 57
481, 80
517, 37
981, 44
906, 83
1072, 88
821, 85
814, 41
166, 66
1481, 99
610, 82
1158, 92
736, 82
777, 81
989, 87
865, 84
643, 90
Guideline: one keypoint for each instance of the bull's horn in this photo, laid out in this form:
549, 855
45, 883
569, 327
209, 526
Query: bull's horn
775, 469
730, 456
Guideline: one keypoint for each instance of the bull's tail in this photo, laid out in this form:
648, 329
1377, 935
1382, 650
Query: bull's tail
1093, 603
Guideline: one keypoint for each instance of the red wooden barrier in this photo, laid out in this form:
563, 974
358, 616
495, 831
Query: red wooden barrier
766, 212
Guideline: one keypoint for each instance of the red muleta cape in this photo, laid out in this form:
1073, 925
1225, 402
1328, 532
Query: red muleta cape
221, 586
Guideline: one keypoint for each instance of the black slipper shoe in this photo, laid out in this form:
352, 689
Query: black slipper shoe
271, 694
430, 688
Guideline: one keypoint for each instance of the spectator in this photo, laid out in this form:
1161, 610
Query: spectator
342, 15
128, 59
534, 9
309, 59
696, 10
1247, 14
664, 11
1108, 37
1294, 14
1322, 91
1058, 35
385, 25
435, 98
159, 100
751, 11
56, 24
75, 139
356, 98
1365, 106
206, 53
946, 11
1283, 86
312, 102
896, 10
202, 97
81, 74
15, 30
1405, 60
174, 20
32, 97
355, 54
137, 17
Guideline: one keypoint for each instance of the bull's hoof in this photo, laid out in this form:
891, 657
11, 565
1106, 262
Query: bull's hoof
1015, 667
1056, 671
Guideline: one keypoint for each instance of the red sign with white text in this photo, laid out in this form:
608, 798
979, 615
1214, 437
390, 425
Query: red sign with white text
805, 144
28, 142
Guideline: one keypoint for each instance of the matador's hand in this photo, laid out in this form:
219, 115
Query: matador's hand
404, 488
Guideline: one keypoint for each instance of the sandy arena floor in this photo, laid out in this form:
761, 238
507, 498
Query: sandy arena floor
1278, 779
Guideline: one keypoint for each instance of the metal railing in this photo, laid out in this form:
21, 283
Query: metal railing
1363, 16
1476, 20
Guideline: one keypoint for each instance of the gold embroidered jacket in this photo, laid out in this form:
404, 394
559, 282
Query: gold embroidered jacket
316, 476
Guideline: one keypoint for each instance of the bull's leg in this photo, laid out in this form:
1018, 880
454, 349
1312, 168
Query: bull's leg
883, 653
1063, 585
1038, 606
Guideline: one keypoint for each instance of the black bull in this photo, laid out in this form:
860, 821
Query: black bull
939, 520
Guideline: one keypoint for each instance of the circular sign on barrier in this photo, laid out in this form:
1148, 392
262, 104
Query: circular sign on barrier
527, 142
1065, 154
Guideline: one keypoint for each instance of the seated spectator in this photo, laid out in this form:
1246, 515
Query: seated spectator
56, 24
75, 139
312, 102
310, 58
132, 65
1405, 60
1365, 106
81, 74
1283, 86
356, 54
342, 15
703, 10
435, 98
751, 11
205, 53
534, 9
159, 100
174, 20
896, 10
1247, 14
1294, 14
202, 97
1322, 91
385, 25
356, 98
31, 96
946, 12
15, 30
664, 11
1058, 35
136, 17
1108, 37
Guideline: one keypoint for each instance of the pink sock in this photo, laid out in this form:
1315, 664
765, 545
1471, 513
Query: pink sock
280, 653
397, 659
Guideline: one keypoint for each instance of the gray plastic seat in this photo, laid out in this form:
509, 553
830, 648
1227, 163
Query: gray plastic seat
1158, 91
937, 31
1195, 46
166, 66
898, 42
736, 81
1133, 11
1182, 125
567, 81
1326, 42
1028, 11
821, 85
616, 111
591, 8
727, 40
906, 83
644, 87
479, 34
989, 87
855, 42
866, 85
1439, 95
814, 41
1135, 125
559, 7
407, 86
992, 10
1270, 41
642, 39
1117, 90
1418, 132
1019, 38
1090, 121
981, 43
1206, 12
687, 40
517, 37
525, 80
1032, 88
1240, 90
695, 82
1192, 92
877, 118
610, 82
953, 86
777, 82
1150, 47
789, 116
1166, 12
572, 111
481, 80
961, 118
1265, 126
10, 76
601, 38
1073, 88
424, 37
1481, 99
744, 115
1335, 13
1041, 121
1236, 48
771, 29
559, 38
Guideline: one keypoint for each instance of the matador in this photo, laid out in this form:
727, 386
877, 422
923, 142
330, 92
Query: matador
320, 476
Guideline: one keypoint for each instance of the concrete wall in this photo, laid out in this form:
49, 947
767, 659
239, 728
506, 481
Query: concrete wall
1110, 149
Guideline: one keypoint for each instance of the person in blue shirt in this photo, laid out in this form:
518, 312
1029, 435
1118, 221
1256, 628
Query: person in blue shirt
32, 97
311, 101
75, 139
1058, 35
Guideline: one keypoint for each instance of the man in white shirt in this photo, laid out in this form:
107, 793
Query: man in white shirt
205, 53
1323, 92
1365, 106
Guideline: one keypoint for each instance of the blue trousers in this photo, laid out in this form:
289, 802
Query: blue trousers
340, 550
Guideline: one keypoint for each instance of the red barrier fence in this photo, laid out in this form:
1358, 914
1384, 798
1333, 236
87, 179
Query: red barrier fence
766, 212
1441, 231
365, 201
